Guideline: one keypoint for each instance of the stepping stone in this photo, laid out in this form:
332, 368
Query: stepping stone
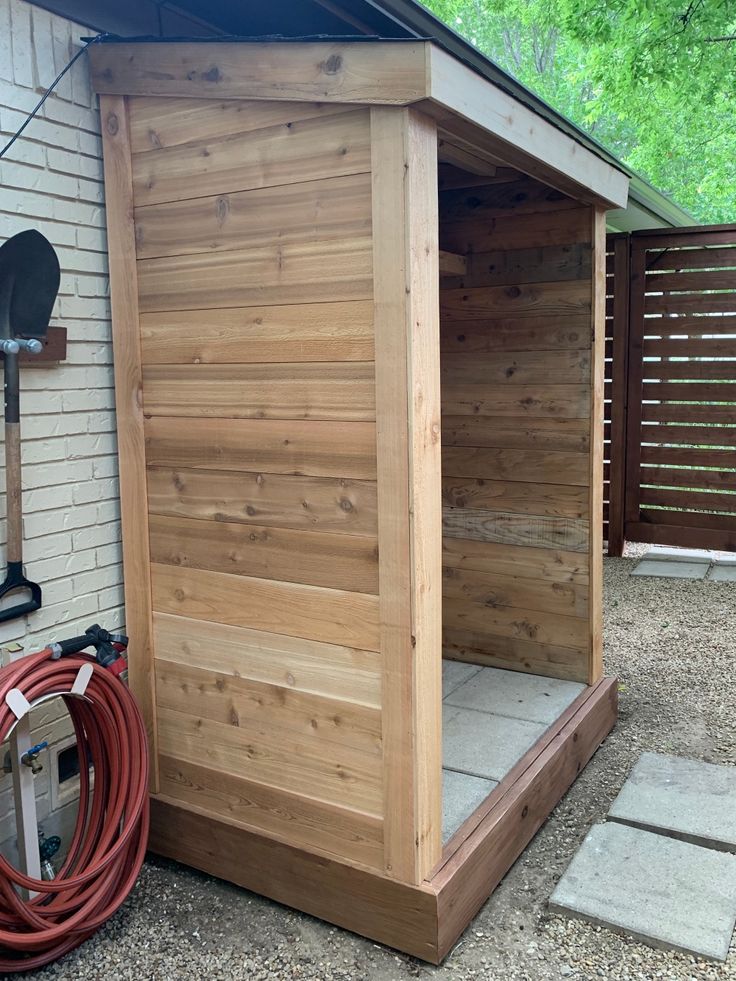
485, 745
723, 572
679, 554
515, 694
461, 794
455, 673
661, 891
672, 568
687, 799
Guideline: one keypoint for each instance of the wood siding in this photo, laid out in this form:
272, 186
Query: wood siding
253, 229
518, 377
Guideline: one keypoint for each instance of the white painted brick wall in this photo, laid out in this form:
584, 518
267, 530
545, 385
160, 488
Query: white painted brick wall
51, 180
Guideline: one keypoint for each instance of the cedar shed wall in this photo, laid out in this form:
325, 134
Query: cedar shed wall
287, 646
521, 525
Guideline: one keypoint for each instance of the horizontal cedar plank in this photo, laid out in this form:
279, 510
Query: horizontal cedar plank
713, 323
320, 390
718, 480
690, 303
516, 232
452, 264
339, 331
712, 279
382, 72
536, 531
307, 822
309, 448
275, 500
681, 536
691, 435
677, 259
302, 273
525, 300
689, 392
687, 499
690, 519
686, 456
531, 434
310, 149
313, 612
690, 347
346, 674
493, 590
549, 500
232, 700
517, 368
492, 650
553, 565
552, 333
498, 200
668, 412
160, 122
314, 557
548, 466
336, 208
331, 772
690, 370
517, 401
553, 263
529, 625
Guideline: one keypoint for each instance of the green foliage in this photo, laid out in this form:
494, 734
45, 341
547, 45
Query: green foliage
653, 80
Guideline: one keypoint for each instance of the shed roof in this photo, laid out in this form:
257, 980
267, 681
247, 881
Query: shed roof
647, 206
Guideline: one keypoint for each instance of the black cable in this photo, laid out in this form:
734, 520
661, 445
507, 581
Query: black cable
49, 90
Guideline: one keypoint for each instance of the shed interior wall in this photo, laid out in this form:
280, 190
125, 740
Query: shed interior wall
516, 367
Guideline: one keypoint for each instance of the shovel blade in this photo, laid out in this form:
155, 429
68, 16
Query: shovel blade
29, 283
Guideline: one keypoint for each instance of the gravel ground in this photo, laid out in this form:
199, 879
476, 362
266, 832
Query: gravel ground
671, 643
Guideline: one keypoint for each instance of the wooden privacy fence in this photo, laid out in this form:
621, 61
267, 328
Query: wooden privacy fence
670, 439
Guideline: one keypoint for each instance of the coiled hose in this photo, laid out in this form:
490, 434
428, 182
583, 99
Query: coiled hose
109, 841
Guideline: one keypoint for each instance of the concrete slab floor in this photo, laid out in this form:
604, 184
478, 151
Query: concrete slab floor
461, 794
686, 799
515, 694
485, 745
662, 891
456, 673
672, 568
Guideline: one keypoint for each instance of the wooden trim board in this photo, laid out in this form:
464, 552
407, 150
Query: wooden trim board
426, 919
381, 73
129, 409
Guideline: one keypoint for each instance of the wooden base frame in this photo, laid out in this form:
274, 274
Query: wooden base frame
424, 920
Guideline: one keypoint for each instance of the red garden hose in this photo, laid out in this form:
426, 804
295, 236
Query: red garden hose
109, 841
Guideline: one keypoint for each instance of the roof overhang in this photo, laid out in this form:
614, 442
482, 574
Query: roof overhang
471, 108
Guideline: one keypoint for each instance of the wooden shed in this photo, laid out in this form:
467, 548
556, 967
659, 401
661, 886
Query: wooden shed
358, 306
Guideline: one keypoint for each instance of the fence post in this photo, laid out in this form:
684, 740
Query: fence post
619, 392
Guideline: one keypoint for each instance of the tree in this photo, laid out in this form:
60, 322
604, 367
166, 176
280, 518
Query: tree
653, 80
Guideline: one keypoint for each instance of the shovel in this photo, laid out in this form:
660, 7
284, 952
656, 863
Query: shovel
29, 282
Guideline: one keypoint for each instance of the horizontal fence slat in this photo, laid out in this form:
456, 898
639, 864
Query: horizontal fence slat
680, 536
703, 413
691, 370
695, 519
690, 347
690, 303
708, 258
689, 435
689, 392
716, 480
705, 279
714, 323
687, 457
692, 500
